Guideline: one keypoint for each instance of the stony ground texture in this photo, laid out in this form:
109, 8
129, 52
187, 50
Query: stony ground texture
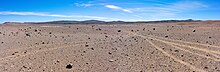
173, 47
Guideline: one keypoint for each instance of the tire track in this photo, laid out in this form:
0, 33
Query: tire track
187, 42
192, 52
195, 48
171, 56
192, 47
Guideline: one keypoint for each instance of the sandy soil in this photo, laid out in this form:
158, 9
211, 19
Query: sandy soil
174, 47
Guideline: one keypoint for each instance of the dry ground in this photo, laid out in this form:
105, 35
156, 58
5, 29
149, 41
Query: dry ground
174, 47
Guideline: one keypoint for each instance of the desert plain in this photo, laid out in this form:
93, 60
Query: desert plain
151, 47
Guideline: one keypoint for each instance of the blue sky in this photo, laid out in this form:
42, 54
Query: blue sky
108, 10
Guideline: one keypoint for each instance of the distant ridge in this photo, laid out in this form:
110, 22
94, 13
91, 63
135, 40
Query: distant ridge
103, 22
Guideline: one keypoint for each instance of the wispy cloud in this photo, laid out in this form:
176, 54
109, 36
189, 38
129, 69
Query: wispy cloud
173, 7
117, 8
114, 7
52, 15
34, 14
84, 4
170, 10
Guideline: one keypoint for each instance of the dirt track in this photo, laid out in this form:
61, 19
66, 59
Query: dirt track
110, 48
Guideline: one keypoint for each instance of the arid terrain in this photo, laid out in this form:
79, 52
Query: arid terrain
150, 47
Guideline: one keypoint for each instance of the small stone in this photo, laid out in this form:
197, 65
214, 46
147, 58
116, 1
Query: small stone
166, 36
98, 29
109, 53
182, 55
119, 30
111, 60
69, 66
176, 50
154, 28
58, 61
28, 35
24, 67
206, 67
194, 30
86, 45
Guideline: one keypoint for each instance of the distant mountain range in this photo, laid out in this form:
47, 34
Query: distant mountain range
102, 22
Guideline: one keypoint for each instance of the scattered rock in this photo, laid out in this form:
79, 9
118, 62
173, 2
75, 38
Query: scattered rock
69, 66
166, 36
24, 67
194, 30
58, 61
92, 48
154, 28
119, 30
28, 35
111, 60
86, 45
182, 55
109, 53
98, 29
176, 50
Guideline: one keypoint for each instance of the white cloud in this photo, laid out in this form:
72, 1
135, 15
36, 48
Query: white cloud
84, 4
34, 14
171, 10
53, 15
182, 6
118, 8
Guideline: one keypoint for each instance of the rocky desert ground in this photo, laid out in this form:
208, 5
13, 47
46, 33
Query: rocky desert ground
159, 47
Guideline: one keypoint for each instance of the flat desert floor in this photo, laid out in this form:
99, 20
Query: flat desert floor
160, 47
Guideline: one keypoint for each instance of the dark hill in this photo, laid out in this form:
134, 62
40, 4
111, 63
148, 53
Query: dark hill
104, 22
